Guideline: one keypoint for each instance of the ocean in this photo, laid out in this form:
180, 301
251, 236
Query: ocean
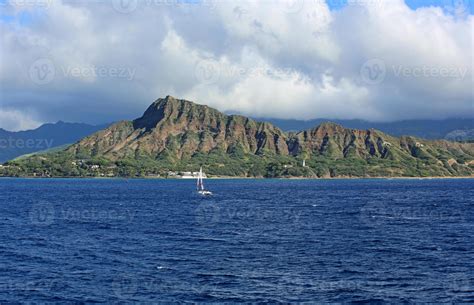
139, 240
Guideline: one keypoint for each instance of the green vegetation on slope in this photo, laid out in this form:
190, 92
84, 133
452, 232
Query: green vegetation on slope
175, 136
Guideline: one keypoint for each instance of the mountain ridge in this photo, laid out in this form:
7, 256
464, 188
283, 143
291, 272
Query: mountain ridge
426, 129
50, 135
173, 117
176, 134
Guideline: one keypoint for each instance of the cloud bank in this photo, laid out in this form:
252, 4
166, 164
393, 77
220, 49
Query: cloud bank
102, 61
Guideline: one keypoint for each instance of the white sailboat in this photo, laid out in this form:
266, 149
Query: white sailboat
200, 185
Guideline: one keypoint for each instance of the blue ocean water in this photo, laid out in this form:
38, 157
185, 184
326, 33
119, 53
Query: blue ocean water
76, 240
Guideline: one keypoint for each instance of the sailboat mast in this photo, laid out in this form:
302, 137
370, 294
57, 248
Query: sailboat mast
200, 182
197, 183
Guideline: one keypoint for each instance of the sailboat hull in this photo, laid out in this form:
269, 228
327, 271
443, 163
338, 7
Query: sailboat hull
205, 193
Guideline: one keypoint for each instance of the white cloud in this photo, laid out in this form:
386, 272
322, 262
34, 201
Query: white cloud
295, 59
14, 120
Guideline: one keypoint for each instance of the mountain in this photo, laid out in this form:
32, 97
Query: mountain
428, 129
175, 135
179, 129
466, 135
47, 136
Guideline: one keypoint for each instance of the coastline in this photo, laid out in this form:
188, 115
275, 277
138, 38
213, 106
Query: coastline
248, 178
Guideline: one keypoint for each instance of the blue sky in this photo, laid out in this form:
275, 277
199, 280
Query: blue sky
441, 3
414, 4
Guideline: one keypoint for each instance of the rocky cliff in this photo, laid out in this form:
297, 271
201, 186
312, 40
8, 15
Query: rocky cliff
181, 128
175, 134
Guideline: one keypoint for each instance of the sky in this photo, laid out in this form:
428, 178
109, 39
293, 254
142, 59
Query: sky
100, 61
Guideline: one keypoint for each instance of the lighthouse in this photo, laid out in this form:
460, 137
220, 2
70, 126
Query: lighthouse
304, 163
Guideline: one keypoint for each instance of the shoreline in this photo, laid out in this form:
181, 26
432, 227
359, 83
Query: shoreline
248, 178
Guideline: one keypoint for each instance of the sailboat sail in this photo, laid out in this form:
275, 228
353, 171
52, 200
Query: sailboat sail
200, 184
